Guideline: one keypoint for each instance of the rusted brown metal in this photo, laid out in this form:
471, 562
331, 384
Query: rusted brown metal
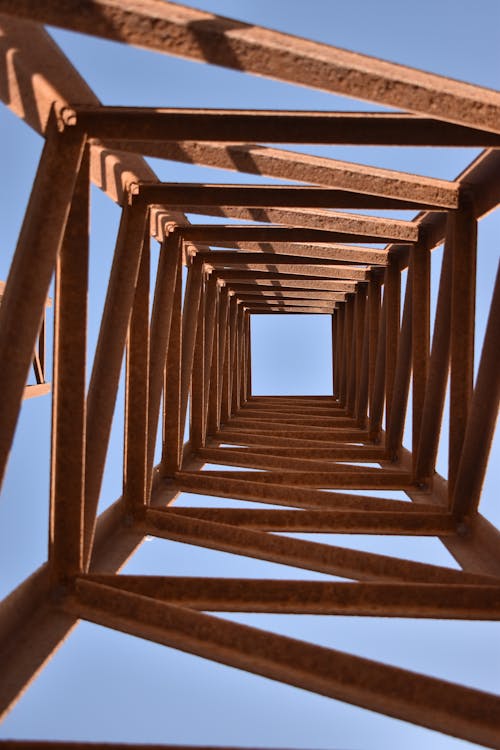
399, 693
178, 30
137, 366
402, 373
421, 283
289, 165
482, 419
173, 437
67, 485
435, 389
463, 305
27, 285
186, 195
304, 453
108, 359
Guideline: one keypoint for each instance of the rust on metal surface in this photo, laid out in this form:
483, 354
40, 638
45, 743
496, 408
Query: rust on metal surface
318, 458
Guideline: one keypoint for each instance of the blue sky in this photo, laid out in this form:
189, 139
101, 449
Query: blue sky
145, 692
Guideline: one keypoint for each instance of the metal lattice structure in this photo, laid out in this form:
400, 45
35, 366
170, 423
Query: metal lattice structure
299, 257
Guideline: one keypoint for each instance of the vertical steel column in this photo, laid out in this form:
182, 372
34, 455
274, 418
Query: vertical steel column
377, 401
348, 346
334, 352
402, 374
248, 394
215, 371
137, 391
192, 301
233, 315
212, 295
26, 289
223, 339
435, 392
198, 377
108, 357
172, 428
340, 315
374, 307
362, 401
238, 359
169, 266
482, 418
67, 480
463, 301
359, 330
392, 296
421, 275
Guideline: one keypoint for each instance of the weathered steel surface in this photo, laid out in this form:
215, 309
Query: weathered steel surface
390, 690
183, 31
316, 597
303, 453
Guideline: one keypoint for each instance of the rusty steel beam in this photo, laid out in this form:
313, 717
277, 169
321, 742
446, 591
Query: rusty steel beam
278, 294
183, 31
435, 389
67, 483
172, 392
288, 165
402, 375
169, 264
298, 497
227, 457
135, 448
285, 271
278, 126
346, 253
421, 284
211, 233
27, 286
246, 418
457, 601
399, 693
44, 77
257, 303
463, 315
482, 419
340, 478
324, 558
220, 258
345, 224
327, 521
108, 358
296, 305
289, 283
186, 195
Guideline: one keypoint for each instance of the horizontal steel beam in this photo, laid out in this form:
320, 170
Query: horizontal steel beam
289, 165
184, 195
328, 521
256, 295
211, 233
286, 550
236, 126
242, 283
362, 226
364, 479
345, 253
390, 690
178, 30
298, 497
437, 601
222, 258
285, 272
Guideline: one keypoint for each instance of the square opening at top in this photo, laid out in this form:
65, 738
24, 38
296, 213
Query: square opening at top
291, 355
